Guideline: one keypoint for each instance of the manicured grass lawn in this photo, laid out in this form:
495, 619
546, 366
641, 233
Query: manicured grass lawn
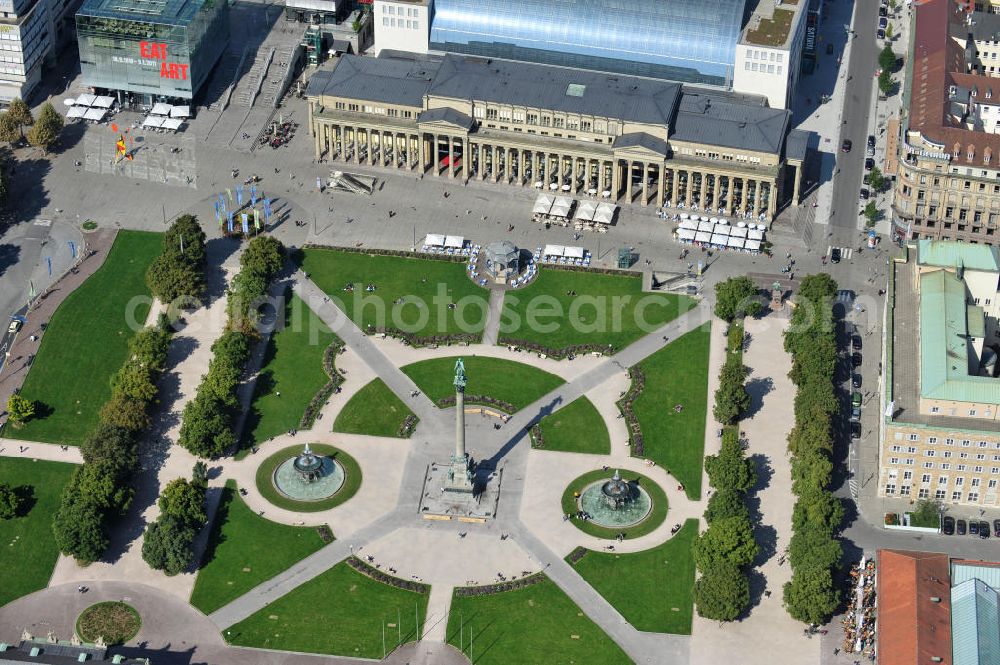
606, 310
374, 410
536, 624
576, 428
676, 374
658, 513
652, 589
513, 382
245, 550
341, 612
293, 366
265, 472
28, 549
86, 342
416, 281
113, 620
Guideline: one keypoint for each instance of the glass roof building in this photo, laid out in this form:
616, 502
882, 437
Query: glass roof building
681, 40
150, 50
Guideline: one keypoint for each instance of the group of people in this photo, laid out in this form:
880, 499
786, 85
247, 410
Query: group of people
349, 287
859, 624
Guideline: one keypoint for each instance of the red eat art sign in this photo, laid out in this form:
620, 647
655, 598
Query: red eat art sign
168, 70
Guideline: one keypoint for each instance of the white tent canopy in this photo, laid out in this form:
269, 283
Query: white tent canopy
754, 234
605, 213
434, 240
542, 205
104, 102
554, 250
85, 100
706, 226
735, 243
574, 252
721, 230
688, 224
753, 245
686, 234
160, 108
585, 211
737, 233
76, 112
171, 123
95, 114
561, 207
454, 241
152, 122
180, 112
703, 236
718, 239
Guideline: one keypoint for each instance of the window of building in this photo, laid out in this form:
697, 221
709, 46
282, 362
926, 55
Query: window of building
973, 497
964, 456
923, 493
959, 481
926, 478
893, 460
945, 466
956, 495
949, 442
929, 453
972, 412
992, 484
928, 465
932, 440
890, 489
980, 456
914, 437
908, 461
940, 495
904, 490
975, 482
935, 409
978, 469
907, 475
492, 114
585, 125
899, 449
558, 123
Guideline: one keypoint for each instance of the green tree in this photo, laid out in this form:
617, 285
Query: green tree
735, 297
167, 545
126, 412
10, 131
818, 287
889, 32
110, 442
79, 527
810, 596
726, 540
887, 58
731, 397
264, 255
726, 503
105, 486
812, 469
199, 475
45, 132
722, 592
876, 179
871, 212
20, 115
813, 547
184, 501
19, 409
135, 380
885, 82
172, 281
730, 469
149, 345
10, 501
185, 239
820, 508
205, 428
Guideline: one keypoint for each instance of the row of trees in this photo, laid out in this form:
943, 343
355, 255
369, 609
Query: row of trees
207, 423
43, 132
178, 273
100, 490
168, 543
814, 551
727, 548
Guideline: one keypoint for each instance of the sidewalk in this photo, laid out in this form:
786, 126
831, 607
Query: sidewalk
51, 452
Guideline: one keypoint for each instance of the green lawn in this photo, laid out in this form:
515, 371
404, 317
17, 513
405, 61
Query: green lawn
576, 428
426, 286
676, 374
606, 310
512, 382
265, 474
341, 612
536, 624
86, 342
28, 549
244, 550
652, 589
374, 410
657, 514
293, 367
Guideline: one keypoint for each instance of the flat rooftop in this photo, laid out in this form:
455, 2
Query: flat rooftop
174, 12
771, 23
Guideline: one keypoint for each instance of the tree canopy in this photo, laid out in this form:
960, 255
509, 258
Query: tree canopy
45, 132
737, 296
722, 592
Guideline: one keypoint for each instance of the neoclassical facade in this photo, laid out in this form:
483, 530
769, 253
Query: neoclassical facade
624, 138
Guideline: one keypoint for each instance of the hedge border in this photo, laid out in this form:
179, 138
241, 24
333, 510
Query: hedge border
352, 479
500, 587
385, 578
657, 515
309, 416
625, 405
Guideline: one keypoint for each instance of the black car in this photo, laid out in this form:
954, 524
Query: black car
856, 342
984, 530
835, 255
869, 163
880, 34
855, 431
863, 194
856, 381
883, 11
846, 145
960, 527
866, 180
996, 528
948, 525
871, 141
883, 22
856, 359
973, 528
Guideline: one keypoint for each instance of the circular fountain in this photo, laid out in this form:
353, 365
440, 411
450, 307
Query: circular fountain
615, 503
308, 476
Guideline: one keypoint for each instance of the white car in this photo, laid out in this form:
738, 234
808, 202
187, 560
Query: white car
14, 326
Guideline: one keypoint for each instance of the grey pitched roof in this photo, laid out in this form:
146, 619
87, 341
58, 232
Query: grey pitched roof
543, 86
797, 144
643, 139
720, 119
448, 115
386, 80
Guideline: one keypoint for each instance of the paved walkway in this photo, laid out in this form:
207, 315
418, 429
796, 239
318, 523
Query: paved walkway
773, 397
50, 452
491, 330
436, 622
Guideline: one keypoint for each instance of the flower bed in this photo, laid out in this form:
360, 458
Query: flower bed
323, 394
481, 400
577, 554
557, 354
385, 578
500, 587
625, 405
406, 428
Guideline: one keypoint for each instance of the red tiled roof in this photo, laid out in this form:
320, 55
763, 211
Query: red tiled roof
937, 63
911, 627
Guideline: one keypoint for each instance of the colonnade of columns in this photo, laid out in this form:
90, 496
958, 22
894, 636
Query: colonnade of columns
614, 177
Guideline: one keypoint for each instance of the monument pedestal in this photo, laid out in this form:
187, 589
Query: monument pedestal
460, 478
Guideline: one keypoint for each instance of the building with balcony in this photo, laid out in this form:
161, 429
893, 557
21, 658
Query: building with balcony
631, 139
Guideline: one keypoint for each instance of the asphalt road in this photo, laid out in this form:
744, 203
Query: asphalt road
856, 120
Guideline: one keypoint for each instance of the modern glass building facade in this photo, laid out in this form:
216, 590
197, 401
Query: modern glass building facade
682, 40
151, 50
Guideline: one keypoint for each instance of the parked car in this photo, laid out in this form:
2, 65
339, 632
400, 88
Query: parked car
856, 359
871, 140
960, 527
846, 145
996, 528
856, 342
984, 530
855, 414
880, 34
835, 255
856, 400
869, 163
883, 11
866, 180
855, 380
15, 325
855, 431
863, 194
870, 151
948, 525
973, 528
883, 22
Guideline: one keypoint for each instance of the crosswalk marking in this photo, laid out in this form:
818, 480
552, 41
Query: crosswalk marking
845, 252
